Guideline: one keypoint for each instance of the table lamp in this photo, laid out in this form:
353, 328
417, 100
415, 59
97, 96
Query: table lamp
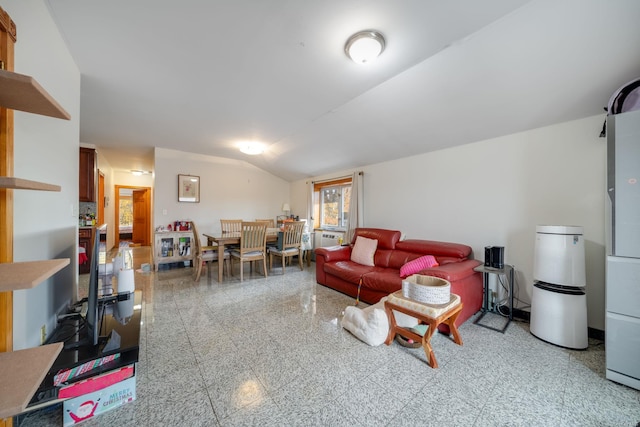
286, 208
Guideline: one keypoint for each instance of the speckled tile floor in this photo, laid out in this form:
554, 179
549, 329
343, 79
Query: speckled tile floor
271, 352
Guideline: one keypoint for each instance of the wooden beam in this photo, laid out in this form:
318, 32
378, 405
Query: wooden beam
7, 39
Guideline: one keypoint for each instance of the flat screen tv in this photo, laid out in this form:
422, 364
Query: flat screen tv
93, 316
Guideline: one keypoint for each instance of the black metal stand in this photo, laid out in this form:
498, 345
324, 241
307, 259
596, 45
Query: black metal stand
507, 271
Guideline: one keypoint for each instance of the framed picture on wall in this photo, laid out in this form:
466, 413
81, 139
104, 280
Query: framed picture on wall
188, 188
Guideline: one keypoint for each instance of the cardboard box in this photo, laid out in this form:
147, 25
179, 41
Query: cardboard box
91, 405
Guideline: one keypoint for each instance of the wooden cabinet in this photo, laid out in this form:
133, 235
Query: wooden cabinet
88, 172
85, 236
172, 246
22, 371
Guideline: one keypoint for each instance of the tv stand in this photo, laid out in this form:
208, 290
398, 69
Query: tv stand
78, 350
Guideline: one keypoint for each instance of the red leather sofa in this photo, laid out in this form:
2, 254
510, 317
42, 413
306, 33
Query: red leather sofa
335, 269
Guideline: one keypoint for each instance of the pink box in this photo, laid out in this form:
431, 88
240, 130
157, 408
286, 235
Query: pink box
90, 405
96, 383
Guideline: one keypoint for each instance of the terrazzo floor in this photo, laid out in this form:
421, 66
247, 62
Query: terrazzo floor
271, 352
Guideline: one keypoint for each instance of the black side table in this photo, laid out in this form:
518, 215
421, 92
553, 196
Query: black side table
506, 271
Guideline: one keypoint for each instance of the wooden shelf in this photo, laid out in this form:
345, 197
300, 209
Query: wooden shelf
25, 184
26, 275
21, 373
24, 93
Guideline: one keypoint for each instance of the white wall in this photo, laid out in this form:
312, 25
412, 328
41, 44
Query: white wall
495, 192
46, 150
229, 189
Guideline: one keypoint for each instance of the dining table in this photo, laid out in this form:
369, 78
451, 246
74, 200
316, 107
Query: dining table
233, 239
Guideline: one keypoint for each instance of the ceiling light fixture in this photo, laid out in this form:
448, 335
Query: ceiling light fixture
140, 172
252, 148
364, 46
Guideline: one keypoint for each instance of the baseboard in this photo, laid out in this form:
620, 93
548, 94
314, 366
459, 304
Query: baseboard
522, 315
596, 334
525, 316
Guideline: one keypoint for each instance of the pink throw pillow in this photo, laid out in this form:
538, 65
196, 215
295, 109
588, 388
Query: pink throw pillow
418, 264
364, 250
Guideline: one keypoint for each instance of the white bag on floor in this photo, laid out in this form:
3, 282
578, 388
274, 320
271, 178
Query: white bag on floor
370, 324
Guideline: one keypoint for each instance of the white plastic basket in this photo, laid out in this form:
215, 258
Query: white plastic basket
426, 289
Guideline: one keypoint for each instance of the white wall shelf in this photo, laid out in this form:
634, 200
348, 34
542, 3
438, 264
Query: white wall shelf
25, 184
24, 93
22, 371
28, 274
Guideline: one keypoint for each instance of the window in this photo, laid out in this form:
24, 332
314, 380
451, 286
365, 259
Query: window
335, 197
126, 211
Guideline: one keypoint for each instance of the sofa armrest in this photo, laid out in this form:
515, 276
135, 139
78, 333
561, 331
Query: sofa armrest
329, 254
334, 253
453, 271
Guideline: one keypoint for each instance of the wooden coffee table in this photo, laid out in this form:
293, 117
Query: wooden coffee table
431, 315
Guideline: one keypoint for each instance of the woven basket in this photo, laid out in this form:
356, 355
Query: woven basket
426, 289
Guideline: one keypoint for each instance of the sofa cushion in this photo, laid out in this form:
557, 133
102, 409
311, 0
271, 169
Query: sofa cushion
349, 270
385, 280
417, 265
364, 250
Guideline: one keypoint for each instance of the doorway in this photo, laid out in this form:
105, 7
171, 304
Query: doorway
133, 215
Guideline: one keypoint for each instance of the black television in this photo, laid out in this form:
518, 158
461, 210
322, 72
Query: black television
93, 316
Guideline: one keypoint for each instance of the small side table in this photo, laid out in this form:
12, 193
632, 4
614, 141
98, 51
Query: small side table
427, 314
506, 271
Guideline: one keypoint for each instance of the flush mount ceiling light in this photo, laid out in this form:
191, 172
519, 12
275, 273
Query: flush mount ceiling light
252, 148
364, 46
140, 172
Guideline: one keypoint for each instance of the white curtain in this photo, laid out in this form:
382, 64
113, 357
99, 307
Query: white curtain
310, 218
355, 218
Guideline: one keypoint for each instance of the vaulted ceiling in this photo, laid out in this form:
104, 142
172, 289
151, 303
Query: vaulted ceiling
203, 75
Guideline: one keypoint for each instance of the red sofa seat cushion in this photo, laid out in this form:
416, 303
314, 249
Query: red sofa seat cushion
348, 270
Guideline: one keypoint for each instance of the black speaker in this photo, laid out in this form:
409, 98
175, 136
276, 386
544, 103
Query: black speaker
487, 256
497, 257
494, 256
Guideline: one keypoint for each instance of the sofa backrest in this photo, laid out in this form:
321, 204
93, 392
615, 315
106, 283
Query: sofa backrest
387, 239
394, 253
444, 250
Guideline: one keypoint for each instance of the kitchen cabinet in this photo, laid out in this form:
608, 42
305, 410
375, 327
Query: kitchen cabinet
22, 371
85, 237
88, 172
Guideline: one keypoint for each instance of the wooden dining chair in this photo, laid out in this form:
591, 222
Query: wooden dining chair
204, 254
230, 226
253, 246
291, 244
271, 223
